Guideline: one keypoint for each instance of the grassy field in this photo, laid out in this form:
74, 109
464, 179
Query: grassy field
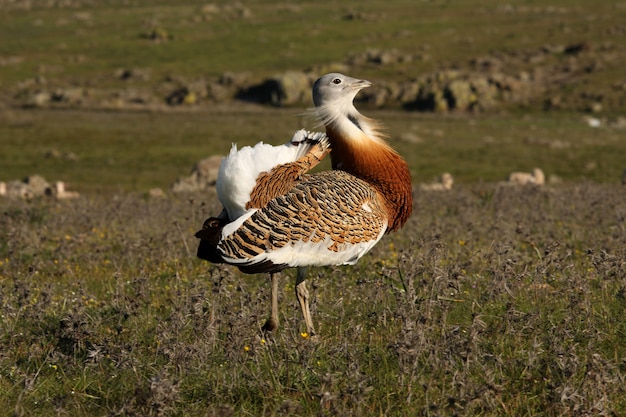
491, 301
88, 41
135, 151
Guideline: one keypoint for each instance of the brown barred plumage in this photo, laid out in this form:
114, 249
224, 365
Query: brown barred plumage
294, 219
283, 177
331, 205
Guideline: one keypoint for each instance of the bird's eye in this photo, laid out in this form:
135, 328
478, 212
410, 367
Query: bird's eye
337, 81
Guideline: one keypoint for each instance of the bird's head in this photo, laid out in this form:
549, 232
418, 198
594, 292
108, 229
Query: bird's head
333, 96
337, 89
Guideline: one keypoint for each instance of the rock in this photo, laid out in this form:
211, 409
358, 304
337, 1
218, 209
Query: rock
593, 122
156, 193
53, 154
537, 177
219, 93
40, 99
203, 175
132, 74
378, 96
181, 96
69, 95
486, 94
32, 186
58, 191
37, 184
18, 189
443, 183
487, 64
379, 57
292, 87
595, 107
234, 79
185, 185
157, 34
432, 93
459, 95
207, 169
408, 92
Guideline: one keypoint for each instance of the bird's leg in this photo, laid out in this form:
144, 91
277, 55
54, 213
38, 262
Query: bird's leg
272, 322
303, 298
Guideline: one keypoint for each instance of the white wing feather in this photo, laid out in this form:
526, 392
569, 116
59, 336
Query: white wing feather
239, 170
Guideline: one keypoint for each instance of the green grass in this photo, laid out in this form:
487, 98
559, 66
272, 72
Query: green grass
67, 43
135, 151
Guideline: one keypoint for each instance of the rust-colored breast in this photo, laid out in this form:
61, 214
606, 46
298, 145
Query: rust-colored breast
379, 165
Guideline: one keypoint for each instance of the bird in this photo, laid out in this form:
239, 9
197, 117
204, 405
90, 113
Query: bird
278, 215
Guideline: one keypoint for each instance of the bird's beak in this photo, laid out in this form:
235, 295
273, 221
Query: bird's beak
359, 84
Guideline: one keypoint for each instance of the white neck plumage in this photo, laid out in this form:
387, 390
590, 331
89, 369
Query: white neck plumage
346, 120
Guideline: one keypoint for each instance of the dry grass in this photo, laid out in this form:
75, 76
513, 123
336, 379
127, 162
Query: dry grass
492, 301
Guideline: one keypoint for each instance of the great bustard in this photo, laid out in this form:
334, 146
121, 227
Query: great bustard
277, 216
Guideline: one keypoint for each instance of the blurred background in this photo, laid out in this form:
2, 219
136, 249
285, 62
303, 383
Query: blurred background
113, 96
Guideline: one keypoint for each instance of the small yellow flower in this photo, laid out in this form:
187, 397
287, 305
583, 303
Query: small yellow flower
304, 335
246, 348
462, 242
262, 341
